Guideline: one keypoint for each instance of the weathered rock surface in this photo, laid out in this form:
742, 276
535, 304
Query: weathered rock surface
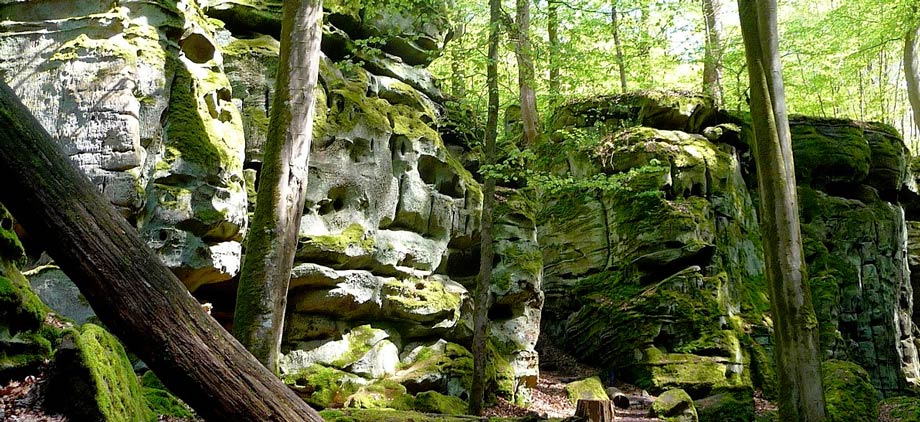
654, 265
135, 93
164, 106
92, 371
23, 343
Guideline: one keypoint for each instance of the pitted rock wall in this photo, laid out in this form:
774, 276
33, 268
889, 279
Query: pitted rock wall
656, 270
165, 107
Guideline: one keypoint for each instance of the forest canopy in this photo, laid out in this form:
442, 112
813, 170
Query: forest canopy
840, 59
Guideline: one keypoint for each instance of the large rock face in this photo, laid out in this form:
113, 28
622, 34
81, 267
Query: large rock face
165, 108
135, 94
654, 263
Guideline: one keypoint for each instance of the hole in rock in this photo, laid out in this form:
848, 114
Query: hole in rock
500, 312
434, 172
197, 48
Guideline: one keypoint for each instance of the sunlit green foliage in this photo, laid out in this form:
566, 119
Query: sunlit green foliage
841, 58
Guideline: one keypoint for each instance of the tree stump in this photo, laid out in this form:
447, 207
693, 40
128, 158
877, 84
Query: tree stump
595, 410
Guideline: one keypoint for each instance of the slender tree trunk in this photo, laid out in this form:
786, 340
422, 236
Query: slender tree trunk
773, 71
457, 77
481, 304
912, 71
795, 326
272, 241
528, 96
621, 64
552, 29
132, 292
712, 65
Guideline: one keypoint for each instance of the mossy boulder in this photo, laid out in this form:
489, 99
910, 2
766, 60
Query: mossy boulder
434, 402
669, 110
586, 389
91, 369
160, 400
902, 409
830, 152
727, 405
24, 342
448, 367
322, 386
385, 415
697, 375
20, 308
674, 405
848, 392
381, 394
365, 348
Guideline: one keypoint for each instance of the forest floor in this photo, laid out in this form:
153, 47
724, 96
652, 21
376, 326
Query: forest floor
20, 399
549, 399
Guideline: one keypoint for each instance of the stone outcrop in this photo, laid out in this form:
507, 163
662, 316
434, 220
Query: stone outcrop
654, 263
135, 94
645, 245
164, 106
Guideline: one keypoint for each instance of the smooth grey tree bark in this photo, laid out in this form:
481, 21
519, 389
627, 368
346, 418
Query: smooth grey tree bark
524, 54
621, 62
552, 31
801, 394
272, 240
481, 302
712, 64
912, 71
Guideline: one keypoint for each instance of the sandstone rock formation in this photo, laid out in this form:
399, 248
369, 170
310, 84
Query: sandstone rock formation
164, 106
659, 259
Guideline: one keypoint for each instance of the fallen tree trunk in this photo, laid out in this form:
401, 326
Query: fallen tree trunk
132, 292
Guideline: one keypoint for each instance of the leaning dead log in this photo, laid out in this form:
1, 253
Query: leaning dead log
132, 292
595, 410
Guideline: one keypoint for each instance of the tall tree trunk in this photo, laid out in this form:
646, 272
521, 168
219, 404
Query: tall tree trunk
272, 241
481, 303
552, 29
528, 96
773, 71
795, 326
457, 76
132, 292
912, 71
621, 64
712, 65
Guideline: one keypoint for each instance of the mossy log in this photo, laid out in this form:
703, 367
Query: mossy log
595, 410
133, 293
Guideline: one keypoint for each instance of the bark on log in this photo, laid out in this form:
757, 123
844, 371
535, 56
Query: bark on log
132, 292
595, 410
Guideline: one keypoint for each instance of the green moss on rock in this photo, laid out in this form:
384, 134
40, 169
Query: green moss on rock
323, 386
674, 405
20, 308
830, 153
386, 415
381, 394
586, 389
196, 131
902, 409
160, 400
434, 402
91, 368
353, 236
727, 405
848, 393
10, 248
